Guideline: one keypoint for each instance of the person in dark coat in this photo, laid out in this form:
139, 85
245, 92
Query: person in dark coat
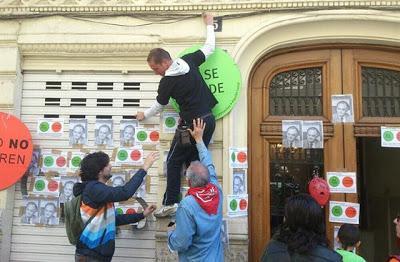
302, 236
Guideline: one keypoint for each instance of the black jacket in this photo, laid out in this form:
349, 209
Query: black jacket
277, 251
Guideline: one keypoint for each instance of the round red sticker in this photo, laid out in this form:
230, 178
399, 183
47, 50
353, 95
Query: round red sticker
243, 204
241, 157
15, 149
61, 161
130, 211
350, 212
154, 136
398, 136
53, 186
135, 155
347, 181
56, 127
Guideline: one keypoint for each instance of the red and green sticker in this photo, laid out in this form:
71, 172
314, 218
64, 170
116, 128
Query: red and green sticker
243, 204
154, 136
233, 204
61, 161
347, 181
56, 127
119, 211
334, 181
130, 211
388, 136
52, 186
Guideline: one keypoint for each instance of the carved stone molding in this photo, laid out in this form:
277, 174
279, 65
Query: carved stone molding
274, 130
133, 49
10, 8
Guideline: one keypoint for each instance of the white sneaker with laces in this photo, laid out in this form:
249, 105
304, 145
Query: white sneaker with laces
166, 210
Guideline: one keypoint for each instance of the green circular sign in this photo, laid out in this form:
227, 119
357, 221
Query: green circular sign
142, 135
48, 161
233, 157
233, 204
337, 211
334, 181
44, 126
222, 77
388, 136
39, 185
119, 211
75, 161
170, 122
122, 155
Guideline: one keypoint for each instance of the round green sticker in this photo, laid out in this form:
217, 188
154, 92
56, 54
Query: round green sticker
388, 136
119, 211
233, 204
222, 77
233, 157
48, 161
142, 135
334, 181
75, 161
44, 126
170, 122
122, 155
337, 211
39, 185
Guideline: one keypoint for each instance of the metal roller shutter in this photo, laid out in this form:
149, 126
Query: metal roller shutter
92, 96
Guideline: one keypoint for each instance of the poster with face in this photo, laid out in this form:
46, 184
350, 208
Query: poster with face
78, 132
34, 167
49, 212
104, 133
342, 109
118, 179
291, 133
66, 190
30, 213
239, 182
313, 134
127, 132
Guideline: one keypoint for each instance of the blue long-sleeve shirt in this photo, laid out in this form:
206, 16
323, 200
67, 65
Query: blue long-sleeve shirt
197, 236
98, 238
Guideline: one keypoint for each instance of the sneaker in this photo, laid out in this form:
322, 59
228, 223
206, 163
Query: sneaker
141, 224
166, 210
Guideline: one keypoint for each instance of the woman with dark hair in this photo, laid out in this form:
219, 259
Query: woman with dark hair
301, 237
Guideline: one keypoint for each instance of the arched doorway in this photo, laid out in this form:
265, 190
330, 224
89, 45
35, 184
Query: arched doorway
298, 84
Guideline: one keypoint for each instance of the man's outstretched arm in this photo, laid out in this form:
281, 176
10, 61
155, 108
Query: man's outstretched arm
204, 154
209, 46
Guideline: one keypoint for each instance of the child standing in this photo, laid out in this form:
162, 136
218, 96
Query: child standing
349, 237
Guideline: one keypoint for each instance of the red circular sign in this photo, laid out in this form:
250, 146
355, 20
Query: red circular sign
241, 157
398, 136
53, 186
135, 155
61, 161
130, 211
351, 212
154, 136
15, 149
243, 204
347, 181
56, 127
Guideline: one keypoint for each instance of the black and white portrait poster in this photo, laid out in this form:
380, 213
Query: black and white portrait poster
239, 182
313, 134
292, 133
127, 132
104, 133
342, 109
78, 132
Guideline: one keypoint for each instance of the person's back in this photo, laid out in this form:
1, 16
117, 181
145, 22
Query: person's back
302, 236
349, 238
197, 235
206, 242
278, 251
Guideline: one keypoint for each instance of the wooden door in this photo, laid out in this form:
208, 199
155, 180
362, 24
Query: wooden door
307, 80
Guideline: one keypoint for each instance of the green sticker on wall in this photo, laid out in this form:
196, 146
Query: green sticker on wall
233, 204
222, 77
170, 122
337, 211
122, 155
75, 161
44, 126
48, 161
142, 135
39, 185
334, 181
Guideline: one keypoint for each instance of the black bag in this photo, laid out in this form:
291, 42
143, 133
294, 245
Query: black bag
182, 135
